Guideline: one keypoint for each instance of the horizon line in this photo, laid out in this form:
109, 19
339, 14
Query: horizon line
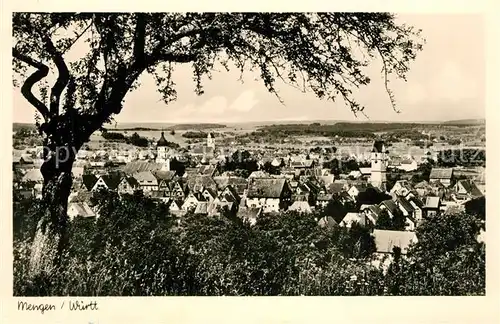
288, 121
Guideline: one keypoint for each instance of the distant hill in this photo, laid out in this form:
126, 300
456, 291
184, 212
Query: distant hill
17, 126
164, 126
196, 126
480, 121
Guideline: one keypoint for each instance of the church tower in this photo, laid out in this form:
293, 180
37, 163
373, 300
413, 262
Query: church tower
162, 153
210, 141
379, 161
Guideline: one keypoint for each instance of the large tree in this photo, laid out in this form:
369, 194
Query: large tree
323, 53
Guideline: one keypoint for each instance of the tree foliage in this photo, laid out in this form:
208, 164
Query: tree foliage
137, 248
448, 259
314, 52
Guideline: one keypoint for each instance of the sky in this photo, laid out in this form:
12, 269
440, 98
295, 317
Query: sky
445, 82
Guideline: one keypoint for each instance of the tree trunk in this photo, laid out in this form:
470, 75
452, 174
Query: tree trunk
51, 234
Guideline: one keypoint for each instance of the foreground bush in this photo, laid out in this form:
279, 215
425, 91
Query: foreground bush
136, 248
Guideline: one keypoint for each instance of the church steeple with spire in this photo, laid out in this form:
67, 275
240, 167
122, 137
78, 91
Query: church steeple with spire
210, 141
162, 152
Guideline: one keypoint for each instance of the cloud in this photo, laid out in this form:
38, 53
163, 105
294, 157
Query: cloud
217, 108
214, 106
245, 102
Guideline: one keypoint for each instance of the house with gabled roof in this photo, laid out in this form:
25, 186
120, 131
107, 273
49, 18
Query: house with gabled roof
408, 165
216, 207
209, 170
33, 175
387, 240
176, 190
209, 194
442, 175
351, 218
239, 184
272, 194
135, 167
300, 207
432, 206
372, 213
192, 200
417, 205
390, 206
80, 209
202, 208
230, 194
128, 185
174, 207
401, 188
326, 180
259, 174
356, 189
146, 180
423, 188
466, 190
408, 212
198, 183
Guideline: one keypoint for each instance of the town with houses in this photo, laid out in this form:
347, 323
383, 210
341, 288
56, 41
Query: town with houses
300, 183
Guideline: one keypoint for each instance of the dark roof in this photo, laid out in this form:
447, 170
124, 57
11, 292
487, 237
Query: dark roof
141, 166
405, 204
379, 147
132, 182
335, 188
266, 188
375, 211
239, 184
162, 141
303, 187
164, 175
89, 180
471, 188
390, 205
111, 180
416, 201
211, 192
234, 196
198, 181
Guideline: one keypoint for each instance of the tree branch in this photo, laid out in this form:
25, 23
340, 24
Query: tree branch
62, 79
78, 37
140, 38
26, 89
